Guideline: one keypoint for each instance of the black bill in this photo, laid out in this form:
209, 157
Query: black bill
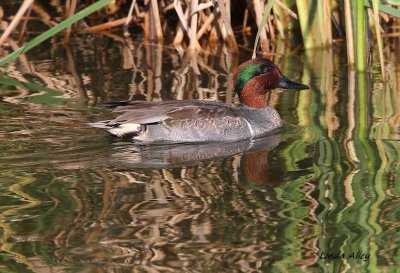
288, 84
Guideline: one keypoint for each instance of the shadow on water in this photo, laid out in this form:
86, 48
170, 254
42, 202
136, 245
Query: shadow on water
320, 196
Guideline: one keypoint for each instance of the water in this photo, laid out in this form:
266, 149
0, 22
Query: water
320, 196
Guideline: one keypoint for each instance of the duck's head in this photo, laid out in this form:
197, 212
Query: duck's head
255, 77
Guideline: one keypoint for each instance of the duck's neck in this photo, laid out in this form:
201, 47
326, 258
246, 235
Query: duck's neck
253, 95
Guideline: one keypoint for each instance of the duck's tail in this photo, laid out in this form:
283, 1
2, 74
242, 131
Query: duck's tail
116, 129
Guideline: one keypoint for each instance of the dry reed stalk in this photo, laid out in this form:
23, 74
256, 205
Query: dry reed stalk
178, 38
349, 33
278, 15
245, 18
24, 26
71, 7
67, 8
147, 27
182, 17
181, 28
230, 37
219, 26
156, 22
271, 28
45, 17
129, 18
286, 9
213, 36
112, 8
258, 8
377, 24
25, 67
107, 25
220, 31
327, 23
193, 26
14, 23
139, 13
206, 24
390, 35
232, 62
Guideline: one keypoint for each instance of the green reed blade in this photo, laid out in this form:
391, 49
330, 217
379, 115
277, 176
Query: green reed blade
385, 9
45, 95
303, 11
267, 11
393, 2
54, 30
360, 36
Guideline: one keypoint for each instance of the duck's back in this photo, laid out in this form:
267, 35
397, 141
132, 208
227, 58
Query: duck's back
189, 121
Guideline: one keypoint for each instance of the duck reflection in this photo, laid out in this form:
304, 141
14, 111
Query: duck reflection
255, 171
255, 168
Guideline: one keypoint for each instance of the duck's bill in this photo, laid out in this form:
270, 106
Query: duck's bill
288, 84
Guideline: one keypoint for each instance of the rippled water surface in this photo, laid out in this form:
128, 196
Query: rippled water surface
322, 195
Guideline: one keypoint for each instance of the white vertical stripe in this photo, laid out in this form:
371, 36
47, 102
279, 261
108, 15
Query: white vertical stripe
250, 128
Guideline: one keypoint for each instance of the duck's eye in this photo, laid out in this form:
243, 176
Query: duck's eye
267, 69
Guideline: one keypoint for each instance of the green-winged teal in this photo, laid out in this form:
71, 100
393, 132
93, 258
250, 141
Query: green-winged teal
206, 121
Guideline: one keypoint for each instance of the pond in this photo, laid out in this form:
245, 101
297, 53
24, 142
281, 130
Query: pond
320, 195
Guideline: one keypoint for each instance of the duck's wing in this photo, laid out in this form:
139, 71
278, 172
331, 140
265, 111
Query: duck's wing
136, 114
140, 112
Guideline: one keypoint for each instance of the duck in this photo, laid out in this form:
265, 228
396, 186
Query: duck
201, 121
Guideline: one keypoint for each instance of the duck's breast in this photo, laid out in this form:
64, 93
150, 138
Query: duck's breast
261, 121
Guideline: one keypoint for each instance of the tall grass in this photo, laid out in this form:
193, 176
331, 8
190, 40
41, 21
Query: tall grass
196, 25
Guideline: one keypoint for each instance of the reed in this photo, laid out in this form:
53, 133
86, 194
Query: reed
360, 36
195, 23
267, 11
70, 10
26, 5
375, 9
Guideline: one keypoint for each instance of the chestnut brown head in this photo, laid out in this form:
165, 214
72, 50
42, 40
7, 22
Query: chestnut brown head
263, 75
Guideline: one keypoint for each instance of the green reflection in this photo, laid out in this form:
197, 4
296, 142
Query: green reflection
42, 95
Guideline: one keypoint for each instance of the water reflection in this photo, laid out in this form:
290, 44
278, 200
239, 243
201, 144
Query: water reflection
119, 217
74, 199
